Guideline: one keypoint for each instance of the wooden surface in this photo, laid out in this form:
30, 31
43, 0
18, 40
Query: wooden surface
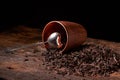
27, 65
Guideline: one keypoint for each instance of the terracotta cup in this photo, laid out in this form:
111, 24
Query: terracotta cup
72, 34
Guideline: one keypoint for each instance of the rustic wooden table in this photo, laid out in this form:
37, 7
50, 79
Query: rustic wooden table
27, 64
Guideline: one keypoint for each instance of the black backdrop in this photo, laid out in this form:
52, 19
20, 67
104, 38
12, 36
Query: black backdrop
100, 22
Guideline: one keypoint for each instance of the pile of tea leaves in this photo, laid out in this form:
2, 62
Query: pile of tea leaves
88, 60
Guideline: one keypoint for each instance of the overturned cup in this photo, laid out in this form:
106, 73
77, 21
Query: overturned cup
65, 36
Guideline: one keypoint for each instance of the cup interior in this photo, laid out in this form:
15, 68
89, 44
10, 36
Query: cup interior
55, 27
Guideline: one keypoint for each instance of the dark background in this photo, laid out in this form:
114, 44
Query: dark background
101, 22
